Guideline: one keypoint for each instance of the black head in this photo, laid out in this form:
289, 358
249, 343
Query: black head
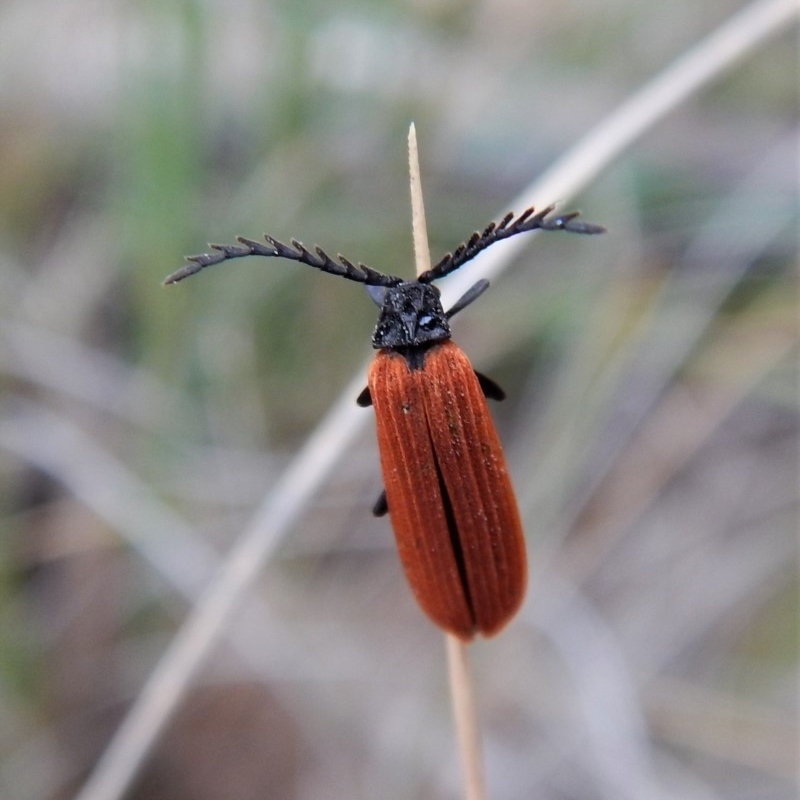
411, 315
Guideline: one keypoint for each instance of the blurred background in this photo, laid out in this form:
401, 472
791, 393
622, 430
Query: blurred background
651, 425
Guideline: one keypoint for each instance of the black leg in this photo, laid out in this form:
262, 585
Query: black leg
381, 507
364, 399
490, 388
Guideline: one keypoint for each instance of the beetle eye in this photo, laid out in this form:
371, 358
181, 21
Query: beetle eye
427, 321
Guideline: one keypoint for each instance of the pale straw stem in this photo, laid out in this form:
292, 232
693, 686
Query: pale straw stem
459, 673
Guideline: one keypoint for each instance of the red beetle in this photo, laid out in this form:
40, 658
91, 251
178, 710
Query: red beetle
448, 492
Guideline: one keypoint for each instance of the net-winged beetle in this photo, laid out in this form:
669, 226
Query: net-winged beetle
447, 488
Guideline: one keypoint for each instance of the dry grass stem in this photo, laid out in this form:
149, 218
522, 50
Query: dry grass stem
462, 693
462, 689
419, 226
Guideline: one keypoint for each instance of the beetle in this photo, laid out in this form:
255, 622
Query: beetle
447, 487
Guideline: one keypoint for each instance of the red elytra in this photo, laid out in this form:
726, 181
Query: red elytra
450, 498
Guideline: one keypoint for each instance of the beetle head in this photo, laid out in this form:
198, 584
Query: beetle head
411, 315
